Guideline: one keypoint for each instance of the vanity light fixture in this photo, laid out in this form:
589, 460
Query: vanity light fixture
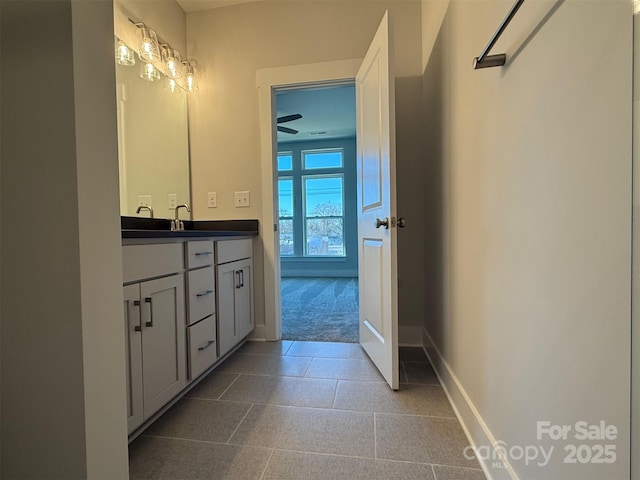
124, 55
148, 48
190, 83
171, 61
148, 72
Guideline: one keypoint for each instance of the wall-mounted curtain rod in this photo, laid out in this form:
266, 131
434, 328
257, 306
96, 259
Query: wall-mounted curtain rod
484, 60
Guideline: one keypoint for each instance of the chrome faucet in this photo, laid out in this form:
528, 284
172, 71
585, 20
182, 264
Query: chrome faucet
177, 224
145, 207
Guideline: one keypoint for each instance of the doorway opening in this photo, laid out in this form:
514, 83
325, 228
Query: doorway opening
316, 206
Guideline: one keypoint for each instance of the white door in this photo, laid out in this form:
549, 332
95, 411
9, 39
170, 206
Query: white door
377, 266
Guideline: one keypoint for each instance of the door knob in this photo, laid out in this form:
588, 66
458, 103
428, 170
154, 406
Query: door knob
382, 223
401, 222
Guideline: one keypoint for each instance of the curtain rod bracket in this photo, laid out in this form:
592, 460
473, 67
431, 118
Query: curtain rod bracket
490, 61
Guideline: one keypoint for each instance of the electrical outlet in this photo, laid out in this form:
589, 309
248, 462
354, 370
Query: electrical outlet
173, 201
241, 199
212, 200
144, 200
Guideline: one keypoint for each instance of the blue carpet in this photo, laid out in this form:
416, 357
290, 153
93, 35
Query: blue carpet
320, 309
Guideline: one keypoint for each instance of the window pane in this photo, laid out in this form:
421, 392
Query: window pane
285, 197
286, 236
325, 237
323, 196
320, 159
285, 161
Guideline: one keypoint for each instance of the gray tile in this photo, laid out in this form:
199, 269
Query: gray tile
265, 365
412, 354
197, 419
301, 392
344, 369
421, 439
265, 348
421, 373
156, 458
378, 397
286, 465
307, 429
213, 385
453, 473
327, 350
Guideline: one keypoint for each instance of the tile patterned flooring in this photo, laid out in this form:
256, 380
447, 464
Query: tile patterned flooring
307, 410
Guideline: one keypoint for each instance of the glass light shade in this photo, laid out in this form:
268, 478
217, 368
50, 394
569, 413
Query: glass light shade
124, 55
190, 82
148, 48
149, 72
172, 86
172, 63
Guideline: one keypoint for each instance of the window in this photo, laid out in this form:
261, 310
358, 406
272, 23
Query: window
285, 217
324, 215
311, 203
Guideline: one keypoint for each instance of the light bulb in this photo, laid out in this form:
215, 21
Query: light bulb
172, 62
191, 84
149, 72
173, 86
124, 55
148, 49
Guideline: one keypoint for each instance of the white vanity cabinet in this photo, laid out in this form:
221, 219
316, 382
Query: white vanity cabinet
201, 318
154, 311
235, 292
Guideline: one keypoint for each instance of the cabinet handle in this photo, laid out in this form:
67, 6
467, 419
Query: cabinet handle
150, 322
138, 328
242, 278
204, 294
209, 343
203, 253
238, 283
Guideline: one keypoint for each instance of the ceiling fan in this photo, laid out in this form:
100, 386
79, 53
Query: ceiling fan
285, 119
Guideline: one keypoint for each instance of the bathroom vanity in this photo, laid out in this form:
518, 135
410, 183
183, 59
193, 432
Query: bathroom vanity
188, 302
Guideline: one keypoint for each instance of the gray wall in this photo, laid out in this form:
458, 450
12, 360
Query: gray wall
63, 386
528, 177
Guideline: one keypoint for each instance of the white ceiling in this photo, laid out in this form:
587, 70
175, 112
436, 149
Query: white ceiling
328, 109
199, 5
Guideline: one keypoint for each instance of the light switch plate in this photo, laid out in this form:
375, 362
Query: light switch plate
173, 201
144, 200
241, 199
212, 200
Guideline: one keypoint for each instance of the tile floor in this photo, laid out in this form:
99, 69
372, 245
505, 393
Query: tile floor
307, 410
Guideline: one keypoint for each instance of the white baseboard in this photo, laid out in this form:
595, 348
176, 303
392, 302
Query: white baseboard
466, 412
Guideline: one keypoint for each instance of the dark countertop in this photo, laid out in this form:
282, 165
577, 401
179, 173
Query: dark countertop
139, 227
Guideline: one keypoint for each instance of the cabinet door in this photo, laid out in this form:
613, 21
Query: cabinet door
133, 349
163, 341
228, 281
244, 300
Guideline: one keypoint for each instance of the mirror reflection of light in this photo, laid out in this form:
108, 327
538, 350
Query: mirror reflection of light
636, 7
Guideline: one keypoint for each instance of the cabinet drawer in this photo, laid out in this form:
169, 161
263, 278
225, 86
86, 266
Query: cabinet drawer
230, 250
202, 296
202, 347
148, 261
199, 253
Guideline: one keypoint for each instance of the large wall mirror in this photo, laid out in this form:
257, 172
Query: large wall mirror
153, 144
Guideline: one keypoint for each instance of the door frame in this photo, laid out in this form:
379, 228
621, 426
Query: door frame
269, 80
